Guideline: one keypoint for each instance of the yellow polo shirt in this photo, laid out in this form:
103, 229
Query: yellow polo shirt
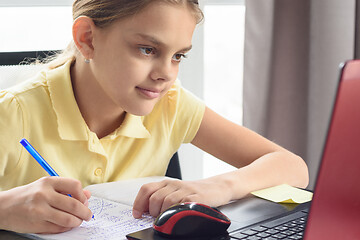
44, 111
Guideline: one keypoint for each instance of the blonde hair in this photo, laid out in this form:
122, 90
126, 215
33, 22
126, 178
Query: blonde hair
105, 12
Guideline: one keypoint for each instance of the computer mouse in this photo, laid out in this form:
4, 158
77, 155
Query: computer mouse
191, 219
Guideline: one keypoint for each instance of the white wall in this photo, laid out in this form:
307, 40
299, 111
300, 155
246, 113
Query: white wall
191, 76
214, 72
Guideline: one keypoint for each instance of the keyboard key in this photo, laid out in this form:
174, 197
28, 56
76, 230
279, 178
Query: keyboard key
263, 235
279, 236
281, 228
288, 232
249, 232
239, 235
298, 221
283, 220
259, 229
295, 237
272, 231
290, 227
253, 238
290, 224
298, 229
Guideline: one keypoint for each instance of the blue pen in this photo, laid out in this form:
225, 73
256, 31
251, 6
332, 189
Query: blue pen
40, 159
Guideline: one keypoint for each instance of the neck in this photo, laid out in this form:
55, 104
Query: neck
100, 113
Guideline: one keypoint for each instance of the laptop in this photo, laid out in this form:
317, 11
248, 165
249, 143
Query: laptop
334, 212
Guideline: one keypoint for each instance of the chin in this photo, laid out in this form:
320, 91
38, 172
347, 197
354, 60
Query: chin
140, 108
141, 111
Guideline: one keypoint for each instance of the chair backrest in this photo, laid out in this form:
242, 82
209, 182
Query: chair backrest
11, 75
174, 169
14, 58
12, 72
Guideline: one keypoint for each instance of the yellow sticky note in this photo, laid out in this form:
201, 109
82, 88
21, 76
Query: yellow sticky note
284, 194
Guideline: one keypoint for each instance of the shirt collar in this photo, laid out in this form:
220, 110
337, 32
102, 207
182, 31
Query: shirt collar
132, 126
71, 125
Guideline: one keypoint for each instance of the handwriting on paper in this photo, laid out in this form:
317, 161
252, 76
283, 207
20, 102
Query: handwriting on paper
112, 222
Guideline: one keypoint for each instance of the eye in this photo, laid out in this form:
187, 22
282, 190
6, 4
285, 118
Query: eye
147, 50
177, 57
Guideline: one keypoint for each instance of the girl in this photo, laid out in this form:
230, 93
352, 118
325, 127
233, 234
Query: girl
110, 108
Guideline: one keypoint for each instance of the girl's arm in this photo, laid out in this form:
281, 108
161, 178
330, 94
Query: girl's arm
258, 159
260, 162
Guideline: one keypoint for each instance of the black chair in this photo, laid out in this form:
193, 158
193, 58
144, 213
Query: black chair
173, 169
14, 58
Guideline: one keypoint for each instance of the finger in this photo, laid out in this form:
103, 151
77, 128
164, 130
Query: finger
50, 228
44, 213
70, 186
74, 188
62, 219
172, 199
141, 203
193, 198
156, 200
88, 195
70, 205
53, 228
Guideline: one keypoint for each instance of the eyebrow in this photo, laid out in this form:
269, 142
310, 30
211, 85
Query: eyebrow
158, 42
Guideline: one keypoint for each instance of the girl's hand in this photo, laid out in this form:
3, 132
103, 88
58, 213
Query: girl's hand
44, 207
157, 197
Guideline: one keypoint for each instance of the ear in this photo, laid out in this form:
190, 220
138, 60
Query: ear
83, 35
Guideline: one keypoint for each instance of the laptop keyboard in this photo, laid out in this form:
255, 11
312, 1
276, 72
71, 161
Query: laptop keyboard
288, 227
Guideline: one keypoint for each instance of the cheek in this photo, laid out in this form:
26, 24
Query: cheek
127, 70
134, 72
175, 71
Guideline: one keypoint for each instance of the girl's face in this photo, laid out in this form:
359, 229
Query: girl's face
136, 59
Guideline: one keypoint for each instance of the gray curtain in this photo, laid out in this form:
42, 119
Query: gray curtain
293, 49
357, 30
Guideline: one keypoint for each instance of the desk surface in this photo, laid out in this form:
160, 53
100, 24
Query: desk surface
242, 213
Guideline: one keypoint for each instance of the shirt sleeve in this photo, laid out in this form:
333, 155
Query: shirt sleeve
188, 113
11, 129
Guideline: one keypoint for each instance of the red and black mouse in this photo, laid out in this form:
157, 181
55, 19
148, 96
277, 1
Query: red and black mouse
191, 220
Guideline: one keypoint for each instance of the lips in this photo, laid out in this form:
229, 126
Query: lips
149, 92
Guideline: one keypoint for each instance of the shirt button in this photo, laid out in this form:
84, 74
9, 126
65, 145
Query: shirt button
98, 172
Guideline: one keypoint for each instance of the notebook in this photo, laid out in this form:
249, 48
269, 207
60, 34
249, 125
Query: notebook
111, 203
334, 212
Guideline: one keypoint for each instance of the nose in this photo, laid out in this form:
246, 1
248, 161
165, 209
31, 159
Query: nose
164, 70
